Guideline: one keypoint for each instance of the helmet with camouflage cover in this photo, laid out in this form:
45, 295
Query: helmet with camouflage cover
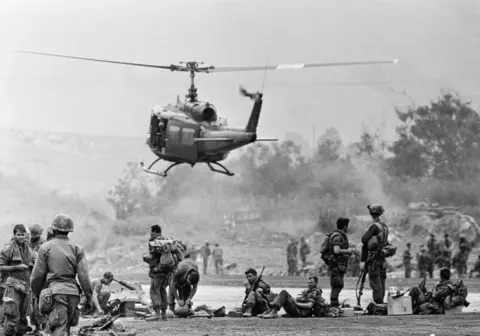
375, 209
62, 223
36, 230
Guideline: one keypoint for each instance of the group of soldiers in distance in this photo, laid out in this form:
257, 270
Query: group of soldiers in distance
440, 254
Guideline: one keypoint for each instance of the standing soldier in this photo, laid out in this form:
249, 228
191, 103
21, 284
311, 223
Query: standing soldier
36, 240
340, 251
217, 255
423, 260
160, 273
460, 259
373, 241
304, 251
447, 251
407, 261
206, 253
432, 253
192, 252
58, 263
354, 264
17, 260
292, 252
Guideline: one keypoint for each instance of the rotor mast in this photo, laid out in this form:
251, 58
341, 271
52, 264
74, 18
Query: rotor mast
192, 67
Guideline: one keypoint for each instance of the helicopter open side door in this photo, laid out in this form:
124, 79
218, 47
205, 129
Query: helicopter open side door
180, 140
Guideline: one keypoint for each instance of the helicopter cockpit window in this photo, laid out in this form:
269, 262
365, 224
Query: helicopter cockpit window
187, 136
174, 133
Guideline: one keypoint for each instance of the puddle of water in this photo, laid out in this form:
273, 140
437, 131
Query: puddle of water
232, 297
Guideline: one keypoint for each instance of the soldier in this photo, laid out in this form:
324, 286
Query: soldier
407, 261
373, 241
206, 253
432, 253
423, 261
217, 255
444, 295
160, 276
256, 301
36, 240
459, 261
340, 252
100, 298
304, 251
309, 302
184, 284
447, 251
58, 263
476, 268
16, 260
193, 252
292, 252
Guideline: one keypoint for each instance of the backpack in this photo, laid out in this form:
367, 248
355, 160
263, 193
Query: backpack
164, 247
326, 249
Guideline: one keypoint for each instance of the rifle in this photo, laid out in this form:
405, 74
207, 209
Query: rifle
124, 284
361, 279
254, 285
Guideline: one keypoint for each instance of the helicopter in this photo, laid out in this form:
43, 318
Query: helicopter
192, 131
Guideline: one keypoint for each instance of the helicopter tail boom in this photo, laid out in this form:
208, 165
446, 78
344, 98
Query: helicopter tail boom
257, 108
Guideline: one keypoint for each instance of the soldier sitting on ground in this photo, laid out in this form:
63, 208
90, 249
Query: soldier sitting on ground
444, 295
309, 302
257, 293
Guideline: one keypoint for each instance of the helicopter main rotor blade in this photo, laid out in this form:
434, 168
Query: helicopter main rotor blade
168, 67
296, 66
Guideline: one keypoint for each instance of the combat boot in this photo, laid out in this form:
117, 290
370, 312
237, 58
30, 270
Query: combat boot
248, 312
164, 314
155, 317
264, 313
271, 314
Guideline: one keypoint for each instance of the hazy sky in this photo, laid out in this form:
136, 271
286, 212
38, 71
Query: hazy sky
437, 42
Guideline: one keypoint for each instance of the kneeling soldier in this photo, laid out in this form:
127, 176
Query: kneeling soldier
306, 305
184, 284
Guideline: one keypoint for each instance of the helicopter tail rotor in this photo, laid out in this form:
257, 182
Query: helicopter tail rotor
245, 93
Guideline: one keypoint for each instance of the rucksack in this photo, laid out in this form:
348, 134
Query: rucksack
326, 250
164, 248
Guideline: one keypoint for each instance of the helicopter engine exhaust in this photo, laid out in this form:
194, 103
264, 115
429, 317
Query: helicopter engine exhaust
202, 112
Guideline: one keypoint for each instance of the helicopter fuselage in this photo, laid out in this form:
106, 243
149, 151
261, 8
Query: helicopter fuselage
193, 132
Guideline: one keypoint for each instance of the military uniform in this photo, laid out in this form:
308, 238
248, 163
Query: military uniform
423, 261
36, 240
206, 253
476, 268
255, 302
407, 262
159, 278
17, 296
287, 302
338, 265
58, 263
292, 252
431, 302
217, 255
304, 251
374, 262
353, 268
179, 280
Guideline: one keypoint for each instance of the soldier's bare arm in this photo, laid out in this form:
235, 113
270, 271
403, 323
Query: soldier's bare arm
39, 272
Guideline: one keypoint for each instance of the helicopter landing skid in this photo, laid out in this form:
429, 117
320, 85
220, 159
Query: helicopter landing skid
164, 174
223, 171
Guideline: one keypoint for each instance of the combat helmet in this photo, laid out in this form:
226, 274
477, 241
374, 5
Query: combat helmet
376, 209
62, 223
36, 230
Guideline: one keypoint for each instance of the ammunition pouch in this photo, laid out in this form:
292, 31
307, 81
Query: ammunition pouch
388, 251
45, 301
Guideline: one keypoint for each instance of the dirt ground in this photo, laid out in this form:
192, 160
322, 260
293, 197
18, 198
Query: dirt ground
458, 325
